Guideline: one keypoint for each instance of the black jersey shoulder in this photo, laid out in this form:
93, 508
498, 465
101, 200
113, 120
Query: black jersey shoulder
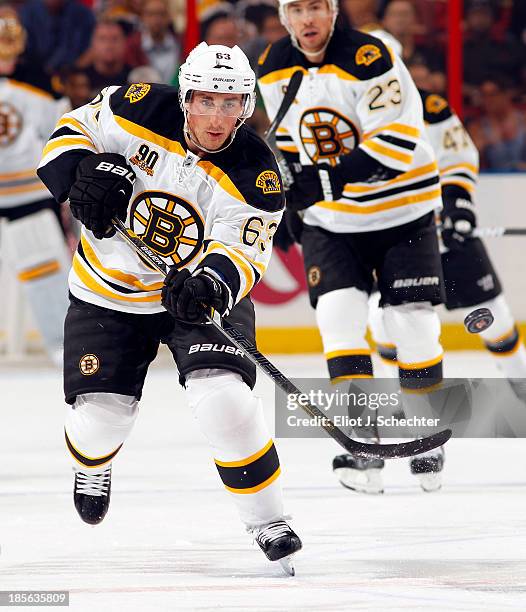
359, 54
251, 167
151, 106
436, 108
279, 56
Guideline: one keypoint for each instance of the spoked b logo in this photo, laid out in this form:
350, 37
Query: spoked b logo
169, 225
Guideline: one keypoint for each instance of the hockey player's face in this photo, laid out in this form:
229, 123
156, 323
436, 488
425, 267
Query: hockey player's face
311, 22
213, 116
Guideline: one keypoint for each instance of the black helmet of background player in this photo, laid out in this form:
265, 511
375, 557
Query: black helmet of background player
217, 69
323, 14
12, 36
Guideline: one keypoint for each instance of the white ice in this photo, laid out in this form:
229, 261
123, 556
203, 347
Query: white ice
172, 539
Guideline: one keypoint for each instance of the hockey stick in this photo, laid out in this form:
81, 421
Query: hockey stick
358, 449
497, 232
270, 134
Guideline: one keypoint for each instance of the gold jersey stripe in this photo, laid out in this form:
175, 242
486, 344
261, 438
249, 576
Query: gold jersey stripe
347, 353
173, 146
401, 128
129, 279
238, 261
66, 141
467, 186
333, 69
261, 268
367, 210
70, 121
246, 460
289, 149
222, 179
427, 169
388, 152
459, 167
50, 267
421, 364
259, 487
36, 186
282, 130
19, 175
280, 75
31, 88
99, 289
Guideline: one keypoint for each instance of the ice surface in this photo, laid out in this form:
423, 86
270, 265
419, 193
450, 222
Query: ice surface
172, 539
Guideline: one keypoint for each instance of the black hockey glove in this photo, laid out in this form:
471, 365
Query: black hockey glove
313, 184
102, 191
189, 297
289, 230
458, 221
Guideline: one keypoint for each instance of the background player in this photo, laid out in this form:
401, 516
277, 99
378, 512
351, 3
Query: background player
205, 194
36, 247
368, 186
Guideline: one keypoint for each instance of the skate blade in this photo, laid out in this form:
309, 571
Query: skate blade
287, 566
430, 482
362, 481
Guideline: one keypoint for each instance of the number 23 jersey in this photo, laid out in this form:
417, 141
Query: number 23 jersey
361, 96
218, 212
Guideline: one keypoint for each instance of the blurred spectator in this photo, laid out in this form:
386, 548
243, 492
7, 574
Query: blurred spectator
221, 28
15, 62
126, 12
427, 79
500, 133
485, 56
144, 74
518, 20
401, 20
155, 43
59, 31
76, 88
361, 14
108, 52
269, 30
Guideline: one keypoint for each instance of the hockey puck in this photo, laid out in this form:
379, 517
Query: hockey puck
478, 320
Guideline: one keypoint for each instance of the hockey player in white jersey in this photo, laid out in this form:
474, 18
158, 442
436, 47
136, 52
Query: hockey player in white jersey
204, 192
470, 278
368, 189
33, 239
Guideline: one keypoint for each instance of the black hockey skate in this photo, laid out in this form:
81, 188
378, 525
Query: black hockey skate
91, 495
278, 541
427, 467
361, 475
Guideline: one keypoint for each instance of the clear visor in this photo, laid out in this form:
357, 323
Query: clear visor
225, 105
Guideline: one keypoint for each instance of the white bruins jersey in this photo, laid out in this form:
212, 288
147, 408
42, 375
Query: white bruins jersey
362, 96
27, 118
218, 212
458, 158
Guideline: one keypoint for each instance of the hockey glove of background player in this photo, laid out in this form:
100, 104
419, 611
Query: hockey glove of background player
313, 184
457, 216
102, 191
289, 230
189, 297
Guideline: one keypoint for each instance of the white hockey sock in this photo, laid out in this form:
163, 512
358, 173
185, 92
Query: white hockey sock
503, 340
96, 427
232, 420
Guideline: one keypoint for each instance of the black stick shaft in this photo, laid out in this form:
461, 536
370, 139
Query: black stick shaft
358, 449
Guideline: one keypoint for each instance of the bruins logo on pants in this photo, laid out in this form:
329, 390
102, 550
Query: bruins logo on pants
327, 134
169, 225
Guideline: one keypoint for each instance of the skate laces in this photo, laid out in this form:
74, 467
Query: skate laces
272, 532
93, 484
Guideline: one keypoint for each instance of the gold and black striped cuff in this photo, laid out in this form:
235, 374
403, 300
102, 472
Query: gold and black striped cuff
421, 376
347, 364
506, 344
91, 462
251, 474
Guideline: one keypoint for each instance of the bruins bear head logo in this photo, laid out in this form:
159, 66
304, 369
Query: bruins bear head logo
367, 54
268, 182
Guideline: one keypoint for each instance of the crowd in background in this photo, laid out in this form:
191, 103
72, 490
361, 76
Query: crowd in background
85, 45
